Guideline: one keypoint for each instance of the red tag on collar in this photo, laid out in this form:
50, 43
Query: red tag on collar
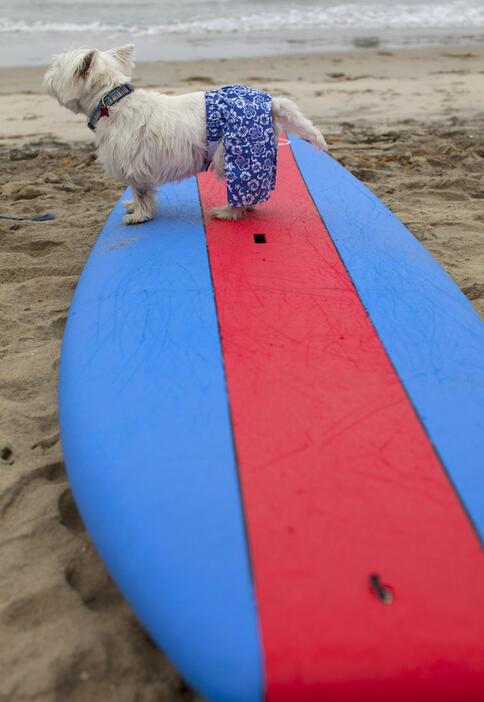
104, 111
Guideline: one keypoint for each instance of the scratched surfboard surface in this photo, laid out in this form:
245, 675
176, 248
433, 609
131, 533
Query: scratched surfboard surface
274, 432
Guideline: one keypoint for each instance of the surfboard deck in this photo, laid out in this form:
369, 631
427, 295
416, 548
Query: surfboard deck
274, 432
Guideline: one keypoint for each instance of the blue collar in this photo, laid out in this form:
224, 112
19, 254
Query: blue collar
108, 100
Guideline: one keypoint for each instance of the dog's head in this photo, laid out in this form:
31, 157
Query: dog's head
76, 77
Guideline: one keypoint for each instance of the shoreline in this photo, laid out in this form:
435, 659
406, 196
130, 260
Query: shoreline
156, 43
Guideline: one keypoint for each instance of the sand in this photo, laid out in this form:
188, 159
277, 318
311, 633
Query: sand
408, 123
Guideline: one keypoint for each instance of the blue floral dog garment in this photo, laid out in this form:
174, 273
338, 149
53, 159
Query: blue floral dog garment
242, 117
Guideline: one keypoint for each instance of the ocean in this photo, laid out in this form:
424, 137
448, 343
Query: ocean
32, 30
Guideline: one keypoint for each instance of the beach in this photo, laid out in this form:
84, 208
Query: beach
407, 122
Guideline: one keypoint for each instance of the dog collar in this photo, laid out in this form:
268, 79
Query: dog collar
108, 100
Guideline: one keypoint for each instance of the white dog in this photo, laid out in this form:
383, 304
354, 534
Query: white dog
145, 138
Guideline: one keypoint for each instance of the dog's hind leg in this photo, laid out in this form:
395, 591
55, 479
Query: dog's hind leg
228, 212
218, 161
142, 207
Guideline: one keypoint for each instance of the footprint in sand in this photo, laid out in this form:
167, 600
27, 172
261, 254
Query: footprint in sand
37, 248
15, 493
33, 610
57, 326
68, 512
89, 578
449, 195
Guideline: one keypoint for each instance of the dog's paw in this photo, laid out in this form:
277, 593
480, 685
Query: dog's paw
129, 205
229, 213
134, 218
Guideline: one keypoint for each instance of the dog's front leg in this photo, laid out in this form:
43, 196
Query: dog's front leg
143, 205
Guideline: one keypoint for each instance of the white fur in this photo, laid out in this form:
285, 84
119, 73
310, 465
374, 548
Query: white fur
149, 139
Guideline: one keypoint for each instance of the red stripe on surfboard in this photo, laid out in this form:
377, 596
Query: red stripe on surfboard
339, 480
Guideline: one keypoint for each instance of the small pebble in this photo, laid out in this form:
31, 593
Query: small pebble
51, 178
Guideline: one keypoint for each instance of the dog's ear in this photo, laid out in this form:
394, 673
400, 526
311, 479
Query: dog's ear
85, 64
124, 55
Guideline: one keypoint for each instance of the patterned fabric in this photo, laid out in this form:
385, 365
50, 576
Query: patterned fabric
242, 117
108, 100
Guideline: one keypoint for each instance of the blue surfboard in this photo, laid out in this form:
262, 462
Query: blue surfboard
159, 367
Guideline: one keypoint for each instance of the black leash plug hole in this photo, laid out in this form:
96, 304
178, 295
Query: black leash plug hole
381, 591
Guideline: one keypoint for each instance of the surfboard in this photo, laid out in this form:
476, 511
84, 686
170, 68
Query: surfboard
273, 429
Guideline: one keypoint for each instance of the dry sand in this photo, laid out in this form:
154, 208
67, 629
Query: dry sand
408, 123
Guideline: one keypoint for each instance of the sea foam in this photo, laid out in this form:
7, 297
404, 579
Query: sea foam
367, 16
